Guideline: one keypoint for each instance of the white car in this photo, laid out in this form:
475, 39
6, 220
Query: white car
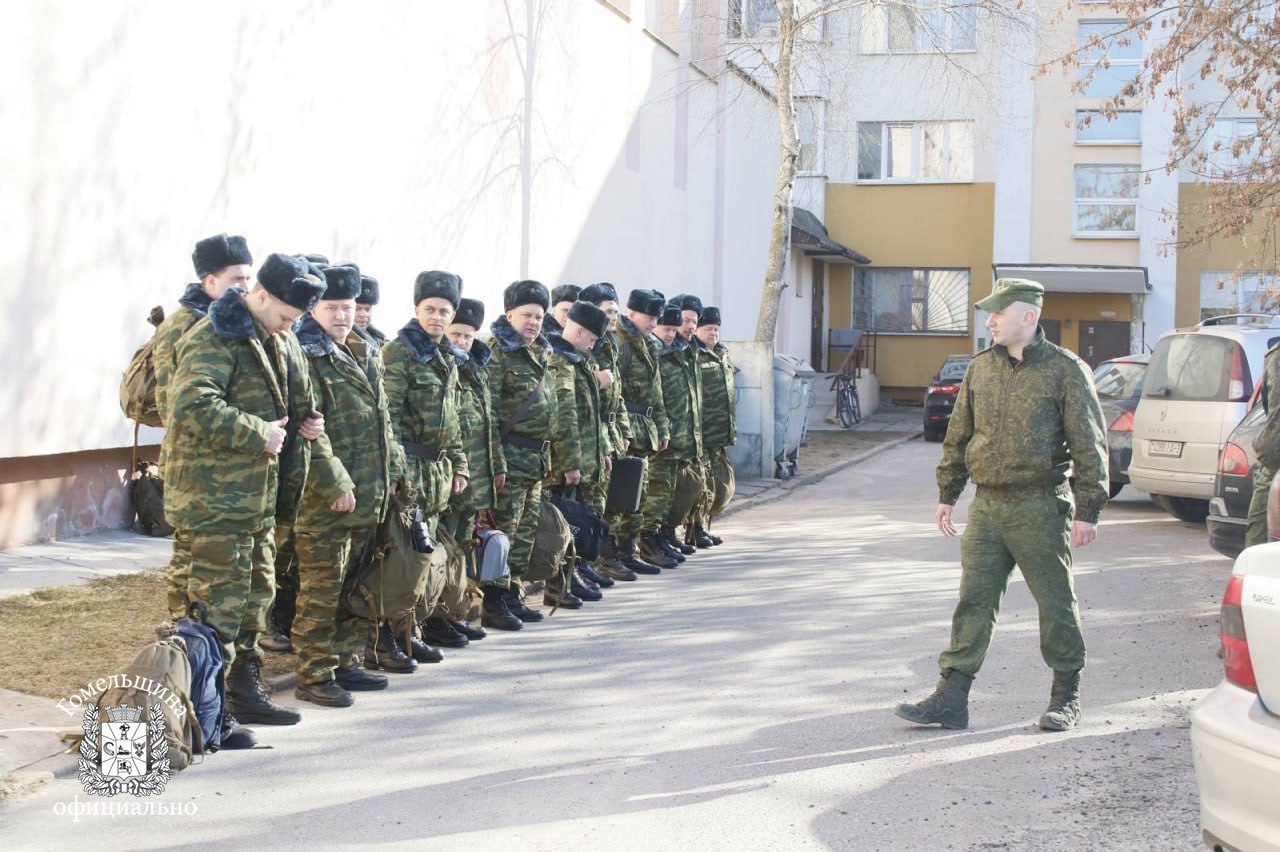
1235, 729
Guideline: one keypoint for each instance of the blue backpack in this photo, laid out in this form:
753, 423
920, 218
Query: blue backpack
208, 680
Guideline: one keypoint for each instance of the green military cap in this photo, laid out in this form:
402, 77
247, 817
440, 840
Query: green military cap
1009, 290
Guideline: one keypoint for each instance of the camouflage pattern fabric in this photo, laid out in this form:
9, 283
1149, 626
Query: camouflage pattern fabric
641, 387
689, 492
1267, 447
605, 357
581, 436
178, 575
681, 391
479, 428
719, 396
453, 602
233, 575
322, 630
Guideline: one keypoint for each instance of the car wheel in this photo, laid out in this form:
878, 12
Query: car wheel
933, 436
1187, 509
1114, 489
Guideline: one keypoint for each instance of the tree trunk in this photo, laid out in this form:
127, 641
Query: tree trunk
780, 232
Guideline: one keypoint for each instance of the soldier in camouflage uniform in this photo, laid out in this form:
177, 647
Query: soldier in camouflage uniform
422, 386
236, 462
642, 397
447, 624
580, 458
719, 421
681, 400
524, 406
696, 488
330, 537
1026, 419
364, 310
221, 262
1266, 445
562, 299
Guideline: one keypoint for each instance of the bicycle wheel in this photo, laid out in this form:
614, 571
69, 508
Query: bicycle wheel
856, 404
844, 406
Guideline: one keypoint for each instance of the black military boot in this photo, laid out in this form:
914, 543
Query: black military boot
234, 735
583, 590
467, 629
276, 638
494, 612
1064, 702
247, 698
629, 559
669, 535
419, 650
440, 631
716, 540
356, 679
650, 551
948, 706
668, 545
589, 573
382, 651
557, 595
700, 538
609, 566
515, 603
327, 694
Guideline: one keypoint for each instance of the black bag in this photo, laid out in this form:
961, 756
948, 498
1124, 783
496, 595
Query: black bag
146, 496
626, 486
588, 526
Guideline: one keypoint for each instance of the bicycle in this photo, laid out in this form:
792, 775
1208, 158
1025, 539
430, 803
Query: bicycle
848, 406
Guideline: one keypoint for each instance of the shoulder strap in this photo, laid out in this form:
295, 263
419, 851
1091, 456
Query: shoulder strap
523, 410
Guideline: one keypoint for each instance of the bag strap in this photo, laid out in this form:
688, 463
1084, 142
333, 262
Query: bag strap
523, 410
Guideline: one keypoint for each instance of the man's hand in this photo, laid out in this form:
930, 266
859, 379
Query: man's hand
312, 427
663, 444
395, 486
626, 444
459, 483
275, 438
604, 378
500, 482
608, 465
1083, 533
944, 519
572, 477
345, 503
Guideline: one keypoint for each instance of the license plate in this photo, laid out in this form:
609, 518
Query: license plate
1172, 449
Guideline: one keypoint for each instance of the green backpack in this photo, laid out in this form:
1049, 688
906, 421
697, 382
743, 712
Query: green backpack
138, 386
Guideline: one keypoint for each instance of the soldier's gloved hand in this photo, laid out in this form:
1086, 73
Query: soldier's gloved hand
1083, 533
500, 482
275, 438
572, 477
312, 427
345, 503
604, 378
459, 483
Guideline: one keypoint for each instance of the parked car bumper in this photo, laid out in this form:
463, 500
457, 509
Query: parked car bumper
1235, 746
1172, 483
1226, 534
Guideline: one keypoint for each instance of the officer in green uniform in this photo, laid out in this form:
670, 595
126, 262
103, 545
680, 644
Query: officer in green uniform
221, 262
562, 299
1266, 445
524, 406
680, 397
641, 381
346, 372
1026, 420
422, 395
447, 624
719, 419
236, 462
365, 302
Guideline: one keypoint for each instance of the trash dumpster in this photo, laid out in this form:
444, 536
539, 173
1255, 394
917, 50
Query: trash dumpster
792, 392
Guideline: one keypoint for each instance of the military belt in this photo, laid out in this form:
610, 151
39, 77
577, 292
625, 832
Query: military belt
421, 452
528, 443
637, 408
608, 417
1012, 493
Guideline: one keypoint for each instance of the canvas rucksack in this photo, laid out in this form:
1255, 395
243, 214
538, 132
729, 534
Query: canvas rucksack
393, 576
138, 386
550, 544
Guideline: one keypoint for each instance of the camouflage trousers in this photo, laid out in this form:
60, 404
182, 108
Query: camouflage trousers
623, 527
325, 635
1035, 534
719, 490
1256, 532
519, 504
178, 574
455, 601
596, 492
233, 575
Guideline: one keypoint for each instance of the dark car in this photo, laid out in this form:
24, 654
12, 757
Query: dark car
1119, 385
1233, 486
940, 397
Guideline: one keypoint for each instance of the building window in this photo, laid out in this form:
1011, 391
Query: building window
1094, 128
1224, 292
810, 113
1121, 49
758, 19
929, 26
915, 151
1232, 147
1107, 201
911, 301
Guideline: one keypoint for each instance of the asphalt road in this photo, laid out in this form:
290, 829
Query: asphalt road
744, 701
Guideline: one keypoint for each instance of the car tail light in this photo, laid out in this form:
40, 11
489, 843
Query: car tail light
1124, 423
1237, 664
1235, 390
1233, 461
947, 389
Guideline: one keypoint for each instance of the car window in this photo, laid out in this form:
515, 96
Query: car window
953, 371
1119, 379
1192, 367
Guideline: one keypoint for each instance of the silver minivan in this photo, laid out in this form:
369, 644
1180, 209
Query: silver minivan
1197, 389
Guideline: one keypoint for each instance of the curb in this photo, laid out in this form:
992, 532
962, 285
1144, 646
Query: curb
786, 486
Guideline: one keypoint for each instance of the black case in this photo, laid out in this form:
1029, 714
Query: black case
626, 486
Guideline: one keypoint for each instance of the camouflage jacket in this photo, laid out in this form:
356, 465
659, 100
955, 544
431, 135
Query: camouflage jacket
641, 387
1266, 444
422, 384
379, 339
233, 378
1023, 427
719, 397
348, 382
518, 372
581, 438
682, 396
618, 427
479, 430
193, 305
